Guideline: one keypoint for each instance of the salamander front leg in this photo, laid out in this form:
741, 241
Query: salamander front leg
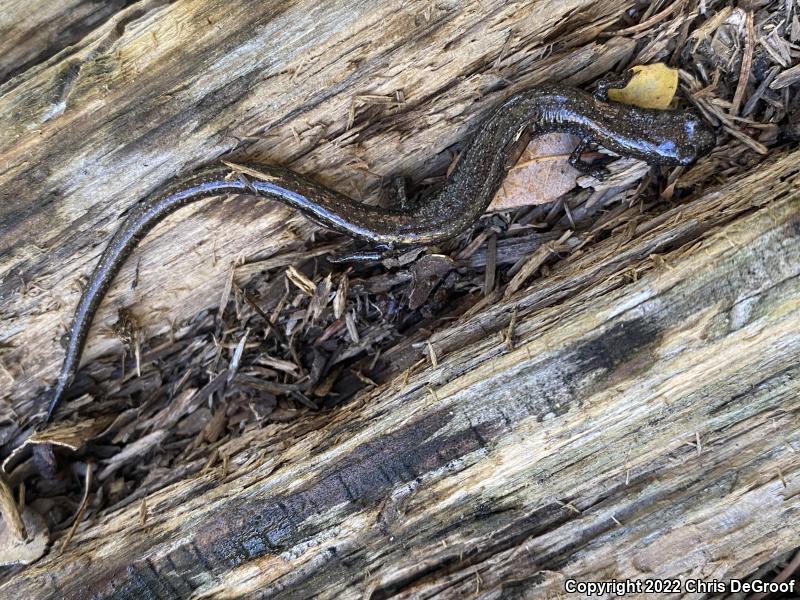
379, 253
596, 168
613, 82
358, 256
390, 256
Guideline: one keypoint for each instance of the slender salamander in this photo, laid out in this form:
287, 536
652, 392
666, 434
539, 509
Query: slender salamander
656, 136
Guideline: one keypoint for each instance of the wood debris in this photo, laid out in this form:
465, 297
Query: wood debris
300, 335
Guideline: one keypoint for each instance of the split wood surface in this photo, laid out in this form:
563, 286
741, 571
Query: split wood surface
640, 419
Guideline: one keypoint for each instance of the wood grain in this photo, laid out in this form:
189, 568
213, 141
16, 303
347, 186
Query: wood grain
163, 87
645, 421
32, 33
639, 429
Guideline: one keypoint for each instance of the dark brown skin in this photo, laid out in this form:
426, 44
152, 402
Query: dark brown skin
659, 137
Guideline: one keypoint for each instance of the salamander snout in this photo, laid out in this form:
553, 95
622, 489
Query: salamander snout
697, 139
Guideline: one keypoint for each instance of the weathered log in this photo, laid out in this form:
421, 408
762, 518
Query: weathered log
636, 430
155, 92
640, 418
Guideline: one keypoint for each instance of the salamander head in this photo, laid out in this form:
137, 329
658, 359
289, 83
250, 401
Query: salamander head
689, 138
698, 140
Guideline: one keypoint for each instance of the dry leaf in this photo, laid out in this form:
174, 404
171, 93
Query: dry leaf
426, 273
23, 552
541, 175
652, 86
